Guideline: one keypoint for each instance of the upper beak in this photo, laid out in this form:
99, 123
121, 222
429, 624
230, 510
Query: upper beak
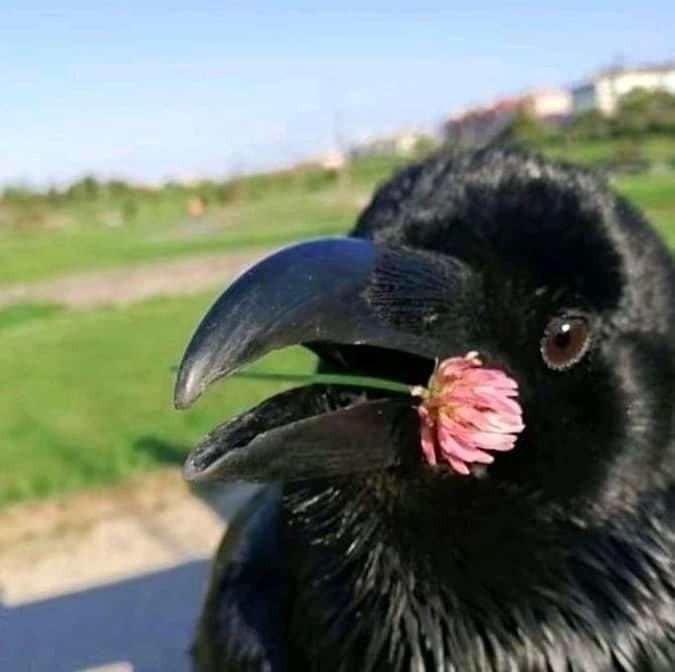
340, 291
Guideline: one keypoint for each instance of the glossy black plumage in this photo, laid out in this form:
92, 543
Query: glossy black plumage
557, 558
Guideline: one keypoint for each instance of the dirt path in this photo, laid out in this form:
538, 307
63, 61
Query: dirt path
64, 544
129, 284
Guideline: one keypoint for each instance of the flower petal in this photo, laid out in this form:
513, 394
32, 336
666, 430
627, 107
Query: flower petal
459, 466
428, 444
466, 411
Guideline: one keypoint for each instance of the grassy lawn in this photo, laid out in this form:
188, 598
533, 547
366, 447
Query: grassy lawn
87, 396
278, 218
42, 239
604, 151
651, 192
273, 211
655, 195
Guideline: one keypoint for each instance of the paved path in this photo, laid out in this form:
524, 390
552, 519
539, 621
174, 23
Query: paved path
128, 284
111, 579
141, 624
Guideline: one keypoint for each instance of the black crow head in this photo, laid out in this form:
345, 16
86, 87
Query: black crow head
535, 265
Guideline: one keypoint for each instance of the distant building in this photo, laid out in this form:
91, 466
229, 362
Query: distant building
401, 143
480, 124
549, 105
604, 89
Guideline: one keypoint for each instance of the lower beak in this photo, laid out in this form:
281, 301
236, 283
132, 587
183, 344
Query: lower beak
324, 293
293, 435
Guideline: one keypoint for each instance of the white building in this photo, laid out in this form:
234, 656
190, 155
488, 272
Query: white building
603, 90
549, 104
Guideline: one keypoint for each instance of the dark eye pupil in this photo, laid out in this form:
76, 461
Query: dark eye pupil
564, 337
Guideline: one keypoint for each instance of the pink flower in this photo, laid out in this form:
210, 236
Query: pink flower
467, 412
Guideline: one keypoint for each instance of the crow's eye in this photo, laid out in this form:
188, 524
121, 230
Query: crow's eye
566, 340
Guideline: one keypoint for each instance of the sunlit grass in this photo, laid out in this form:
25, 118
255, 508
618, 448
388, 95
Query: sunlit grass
35, 255
162, 229
604, 151
86, 397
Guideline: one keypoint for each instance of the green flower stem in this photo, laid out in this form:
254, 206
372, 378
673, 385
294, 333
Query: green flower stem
327, 379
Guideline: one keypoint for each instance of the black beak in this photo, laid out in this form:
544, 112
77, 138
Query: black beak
337, 291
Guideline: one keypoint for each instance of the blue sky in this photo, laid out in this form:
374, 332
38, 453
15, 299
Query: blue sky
161, 88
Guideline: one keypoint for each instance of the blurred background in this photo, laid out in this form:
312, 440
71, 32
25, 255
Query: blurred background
149, 152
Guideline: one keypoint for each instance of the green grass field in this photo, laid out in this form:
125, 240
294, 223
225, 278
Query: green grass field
278, 218
655, 195
600, 152
272, 211
87, 395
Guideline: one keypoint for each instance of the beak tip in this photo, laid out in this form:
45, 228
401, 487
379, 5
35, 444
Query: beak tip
186, 390
180, 404
189, 472
196, 372
184, 397
195, 472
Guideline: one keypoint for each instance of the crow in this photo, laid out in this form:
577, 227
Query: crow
358, 555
